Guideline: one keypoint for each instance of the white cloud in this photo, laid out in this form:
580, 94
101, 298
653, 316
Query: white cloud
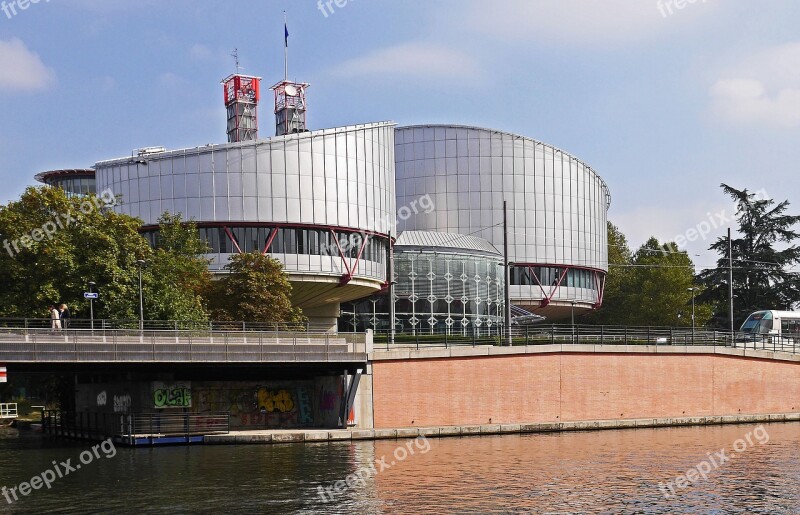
412, 59
21, 69
200, 52
579, 22
764, 88
172, 81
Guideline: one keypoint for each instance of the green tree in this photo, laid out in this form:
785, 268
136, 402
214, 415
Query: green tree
255, 289
53, 245
649, 287
619, 261
761, 279
176, 274
658, 288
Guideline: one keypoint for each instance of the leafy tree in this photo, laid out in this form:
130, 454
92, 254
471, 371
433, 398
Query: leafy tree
760, 276
619, 260
53, 245
176, 274
255, 289
650, 287
658, 288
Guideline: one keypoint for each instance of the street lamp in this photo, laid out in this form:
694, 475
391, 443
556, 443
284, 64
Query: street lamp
140, 263
91, 304
692, 290
572, 313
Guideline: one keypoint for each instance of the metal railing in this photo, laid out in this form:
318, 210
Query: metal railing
586, 334
99, 426
159, 325
8, 410
203, 345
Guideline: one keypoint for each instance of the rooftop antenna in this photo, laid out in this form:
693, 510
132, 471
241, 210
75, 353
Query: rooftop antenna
235, 55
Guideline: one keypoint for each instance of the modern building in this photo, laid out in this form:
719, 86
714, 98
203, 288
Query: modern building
317, 201
557, 208
326, 203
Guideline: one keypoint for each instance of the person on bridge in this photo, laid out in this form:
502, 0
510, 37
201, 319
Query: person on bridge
55, 318
64, 315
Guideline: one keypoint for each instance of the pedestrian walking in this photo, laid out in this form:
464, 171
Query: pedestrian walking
55, 318
64, 315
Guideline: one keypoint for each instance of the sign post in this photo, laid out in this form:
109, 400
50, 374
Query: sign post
91, 296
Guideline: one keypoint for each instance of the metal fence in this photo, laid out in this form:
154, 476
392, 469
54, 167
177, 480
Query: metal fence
159, 325
594, 335
8, 410
99, 426
26, 343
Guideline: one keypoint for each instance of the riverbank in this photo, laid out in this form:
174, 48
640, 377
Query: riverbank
281, 436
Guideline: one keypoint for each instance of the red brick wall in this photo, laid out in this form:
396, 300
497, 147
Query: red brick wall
532, 388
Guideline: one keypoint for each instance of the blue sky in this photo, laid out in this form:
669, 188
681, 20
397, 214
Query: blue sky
665, 100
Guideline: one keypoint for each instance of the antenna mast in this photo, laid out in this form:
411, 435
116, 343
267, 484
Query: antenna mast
235, 55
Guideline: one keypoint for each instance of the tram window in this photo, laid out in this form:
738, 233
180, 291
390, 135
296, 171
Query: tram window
790, 326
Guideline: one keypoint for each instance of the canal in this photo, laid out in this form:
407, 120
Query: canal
713, 469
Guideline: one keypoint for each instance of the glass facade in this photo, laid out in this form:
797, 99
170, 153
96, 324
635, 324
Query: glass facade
549, 276
436, 292
290, 240
74, 184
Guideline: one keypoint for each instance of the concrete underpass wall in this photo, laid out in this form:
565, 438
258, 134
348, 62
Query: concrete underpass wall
564, 387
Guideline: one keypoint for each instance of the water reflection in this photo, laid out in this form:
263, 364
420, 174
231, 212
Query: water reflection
590, 472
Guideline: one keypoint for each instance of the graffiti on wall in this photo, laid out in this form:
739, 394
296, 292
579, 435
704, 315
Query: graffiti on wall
259, 404
102, 399
122, 403
329, 398
172, 395
304, 402
280, 400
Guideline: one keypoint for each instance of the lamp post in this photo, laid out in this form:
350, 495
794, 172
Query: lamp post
692, 290
572, 313
506, 279
91, 304
140, 263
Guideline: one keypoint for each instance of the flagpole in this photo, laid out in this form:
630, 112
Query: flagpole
285, 48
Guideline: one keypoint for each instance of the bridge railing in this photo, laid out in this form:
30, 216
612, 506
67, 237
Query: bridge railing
589, 335
158, 325
182, 345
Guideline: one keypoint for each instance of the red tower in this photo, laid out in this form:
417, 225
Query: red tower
242, 93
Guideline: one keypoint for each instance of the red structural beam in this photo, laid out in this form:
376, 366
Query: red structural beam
599, 280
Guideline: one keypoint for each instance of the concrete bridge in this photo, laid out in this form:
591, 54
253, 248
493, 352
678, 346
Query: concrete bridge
20, 345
